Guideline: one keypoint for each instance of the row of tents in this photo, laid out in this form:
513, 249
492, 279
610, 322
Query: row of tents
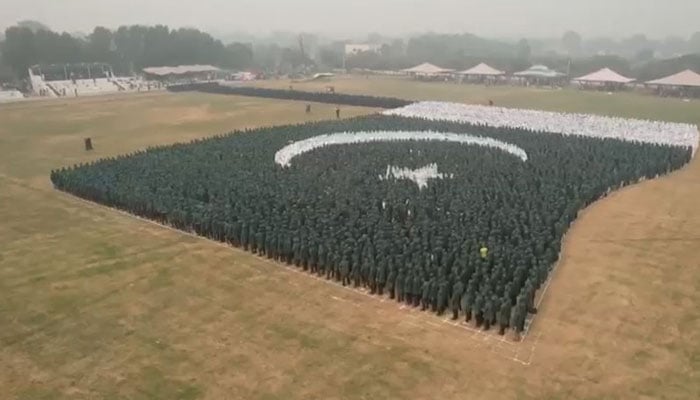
687, 78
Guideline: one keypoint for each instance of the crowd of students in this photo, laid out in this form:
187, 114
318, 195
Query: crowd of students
285, 155
645, 131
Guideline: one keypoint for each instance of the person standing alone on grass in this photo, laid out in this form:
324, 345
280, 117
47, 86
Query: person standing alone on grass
308, 108
337, 113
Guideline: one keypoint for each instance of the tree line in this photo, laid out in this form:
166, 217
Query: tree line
127, 49
131, 48
330, 214
636, 56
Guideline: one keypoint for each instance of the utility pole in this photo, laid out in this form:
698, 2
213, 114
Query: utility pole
301, 46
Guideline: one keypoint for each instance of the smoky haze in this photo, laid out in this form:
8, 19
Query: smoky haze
501, 18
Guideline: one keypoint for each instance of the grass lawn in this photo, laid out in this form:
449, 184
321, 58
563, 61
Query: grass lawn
95, 304
571, 100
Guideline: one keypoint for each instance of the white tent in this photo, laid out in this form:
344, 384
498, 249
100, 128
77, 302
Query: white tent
605, 75
482, 70
427, 69
539, 71
180, 70
684, 78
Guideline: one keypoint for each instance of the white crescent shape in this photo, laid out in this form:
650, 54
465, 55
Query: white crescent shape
285, 155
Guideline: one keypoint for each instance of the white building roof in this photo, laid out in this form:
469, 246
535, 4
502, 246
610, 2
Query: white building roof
180, 69
482, 69
684, 78
604, 75
427, 68
540, 71
354, 48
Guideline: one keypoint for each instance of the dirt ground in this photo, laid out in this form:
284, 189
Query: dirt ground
95, 304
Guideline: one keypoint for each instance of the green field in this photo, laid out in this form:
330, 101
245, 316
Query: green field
95, 304
627, 104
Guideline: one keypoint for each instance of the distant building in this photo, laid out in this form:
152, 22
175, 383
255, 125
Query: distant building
182, 71
351, 49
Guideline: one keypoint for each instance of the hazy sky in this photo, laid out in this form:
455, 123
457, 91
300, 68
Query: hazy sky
655, 18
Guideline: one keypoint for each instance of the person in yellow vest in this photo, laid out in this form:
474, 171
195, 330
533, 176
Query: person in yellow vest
484, 252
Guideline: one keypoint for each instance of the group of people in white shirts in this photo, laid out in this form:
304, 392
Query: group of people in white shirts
636, 130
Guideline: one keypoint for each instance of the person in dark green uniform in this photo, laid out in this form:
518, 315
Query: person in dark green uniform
457, 291
417, 281
389, 287
381, 277
489, 314
398, 287
442, 296
477, 309
355, 273
425, 295
433, 295
345, 271
408, 288
504, 316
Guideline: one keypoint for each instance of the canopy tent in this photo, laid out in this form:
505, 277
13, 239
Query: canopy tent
55, 72
604, 75
686, 78
482, 70
180, 70
539, 71
427, 69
